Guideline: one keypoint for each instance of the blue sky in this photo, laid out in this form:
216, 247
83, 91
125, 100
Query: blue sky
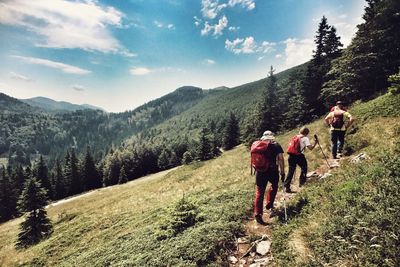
119, 54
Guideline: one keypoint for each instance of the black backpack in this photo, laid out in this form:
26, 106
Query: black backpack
338, 119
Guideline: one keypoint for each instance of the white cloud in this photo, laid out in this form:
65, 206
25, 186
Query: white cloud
162, 25
249, 4
208, 62
278, 56
66, 24
78, 87
197, 21
233, 29
158, 24
216, 29
298, 51
53, 64
211, 8
248, 46
140, 71
17, 76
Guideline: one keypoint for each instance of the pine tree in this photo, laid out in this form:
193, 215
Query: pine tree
59, 181
123, 178
76, 183
205, 148
320, 39
187, 157
163, 160
67, 175
89, 172
267, 116
36, 225
332, 43
42, 175
231, 133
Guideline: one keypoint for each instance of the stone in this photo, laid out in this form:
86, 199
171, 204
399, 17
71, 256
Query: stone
263, 247
360, 157
232, 259
312, 174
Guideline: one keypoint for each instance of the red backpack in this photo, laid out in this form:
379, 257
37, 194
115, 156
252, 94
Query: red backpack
294, 145
259, 156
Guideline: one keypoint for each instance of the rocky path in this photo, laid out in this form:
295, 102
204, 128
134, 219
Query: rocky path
253, 249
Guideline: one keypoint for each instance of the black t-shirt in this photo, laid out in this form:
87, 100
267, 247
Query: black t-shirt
273, 151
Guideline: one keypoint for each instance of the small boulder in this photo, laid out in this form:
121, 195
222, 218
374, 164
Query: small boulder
263, 247
232, 259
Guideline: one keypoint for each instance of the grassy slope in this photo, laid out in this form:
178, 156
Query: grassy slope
351, 218
119, 225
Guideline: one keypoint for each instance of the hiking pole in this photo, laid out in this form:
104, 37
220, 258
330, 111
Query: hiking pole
284, 201
326, 159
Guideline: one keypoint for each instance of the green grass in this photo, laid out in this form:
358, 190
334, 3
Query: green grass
351, 218
120, 225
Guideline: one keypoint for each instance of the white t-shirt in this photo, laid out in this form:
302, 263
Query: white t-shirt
304, 142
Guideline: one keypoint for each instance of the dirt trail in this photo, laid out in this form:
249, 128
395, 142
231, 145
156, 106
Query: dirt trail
246, 255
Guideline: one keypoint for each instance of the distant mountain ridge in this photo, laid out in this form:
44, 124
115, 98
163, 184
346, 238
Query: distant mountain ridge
53, 105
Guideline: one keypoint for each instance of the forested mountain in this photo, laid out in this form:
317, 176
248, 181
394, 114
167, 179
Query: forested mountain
27, 132
52, 105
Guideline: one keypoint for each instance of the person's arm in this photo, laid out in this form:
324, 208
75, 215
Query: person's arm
281, 164
328, 119
350, 122
311, 147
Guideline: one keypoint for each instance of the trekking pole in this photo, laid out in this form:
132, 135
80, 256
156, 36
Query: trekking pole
284, 201
326, 159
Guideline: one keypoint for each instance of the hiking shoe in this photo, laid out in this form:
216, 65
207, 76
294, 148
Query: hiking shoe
260, 220
288, 190
268, 206
273, 213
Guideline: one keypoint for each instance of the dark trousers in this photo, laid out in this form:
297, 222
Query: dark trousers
262, 179
293, 161
337, 139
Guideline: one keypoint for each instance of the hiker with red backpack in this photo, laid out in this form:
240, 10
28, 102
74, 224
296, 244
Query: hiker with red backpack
339, 121
296, 148
268, 162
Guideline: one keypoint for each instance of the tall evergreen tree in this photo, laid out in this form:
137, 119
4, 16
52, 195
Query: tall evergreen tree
267, 117
205, 147
59, 181
231, 133
123, 178
89, 172
327, 48
42, 175
5, 201
320, 40
37, 225
76, 183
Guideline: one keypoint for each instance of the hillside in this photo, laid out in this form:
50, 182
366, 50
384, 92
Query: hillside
52, 105
122, 225
28, 131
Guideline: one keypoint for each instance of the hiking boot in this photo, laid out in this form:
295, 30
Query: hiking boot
288, 190
273, 213
260, 220
268, 206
